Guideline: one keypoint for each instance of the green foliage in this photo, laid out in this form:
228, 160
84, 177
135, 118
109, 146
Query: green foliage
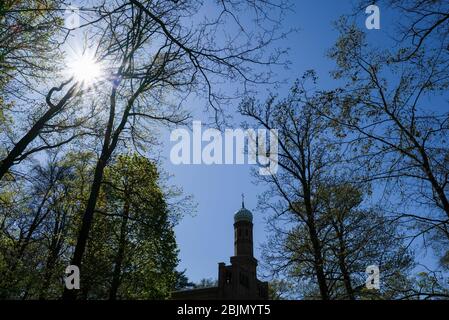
37, 239
182, 281
281, 289
26, 44
132, 194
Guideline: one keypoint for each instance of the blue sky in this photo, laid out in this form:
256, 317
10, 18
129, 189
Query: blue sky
207, 238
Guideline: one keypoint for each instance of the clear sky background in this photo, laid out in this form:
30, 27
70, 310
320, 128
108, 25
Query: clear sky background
207, 238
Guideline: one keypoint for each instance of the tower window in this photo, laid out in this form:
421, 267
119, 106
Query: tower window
246, 232
228, 277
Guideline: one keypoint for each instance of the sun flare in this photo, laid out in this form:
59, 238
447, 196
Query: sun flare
85, 69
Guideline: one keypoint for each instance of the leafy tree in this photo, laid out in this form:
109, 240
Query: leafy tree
322, 234
182, 281
40, 224
305, 156
132, 253
25, 50
144, 243
423, 27
30, 57
398, 135
361, 236
281, 289
27, 46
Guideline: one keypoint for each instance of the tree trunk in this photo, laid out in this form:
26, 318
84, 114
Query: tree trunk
120, 254
318, 258
435, 185
86, 224
20, 146
343, 268
319, 264
53, 254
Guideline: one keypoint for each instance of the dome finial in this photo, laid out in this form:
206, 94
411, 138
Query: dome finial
243, 214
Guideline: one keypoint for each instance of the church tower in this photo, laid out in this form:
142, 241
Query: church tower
243, 232
239, 279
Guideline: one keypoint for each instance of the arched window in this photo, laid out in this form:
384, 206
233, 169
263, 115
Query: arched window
228, 277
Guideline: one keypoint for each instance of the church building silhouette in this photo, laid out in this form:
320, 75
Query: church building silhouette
237, 281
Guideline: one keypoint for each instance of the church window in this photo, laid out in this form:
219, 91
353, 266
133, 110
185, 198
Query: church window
228, 277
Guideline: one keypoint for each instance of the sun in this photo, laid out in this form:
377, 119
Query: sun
85, 69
